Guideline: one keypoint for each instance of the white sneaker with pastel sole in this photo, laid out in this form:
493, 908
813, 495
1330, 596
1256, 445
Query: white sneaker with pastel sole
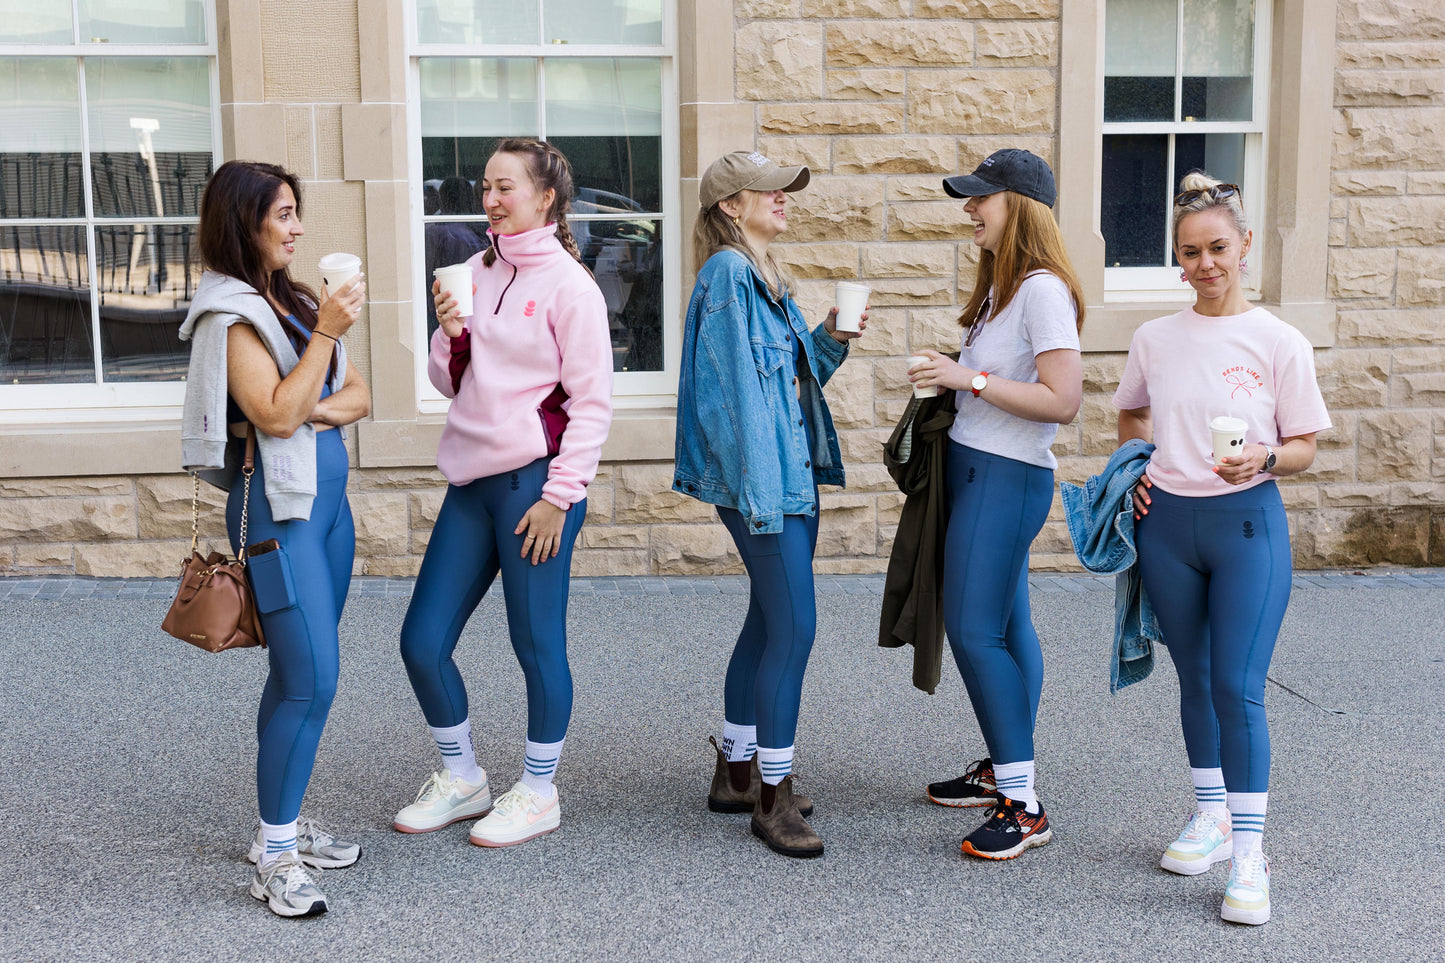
1246, 895
520, 815
444, 799
1206, 840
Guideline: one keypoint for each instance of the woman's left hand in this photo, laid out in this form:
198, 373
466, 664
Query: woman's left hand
1240, 468
543, 525
830, 324
941, 371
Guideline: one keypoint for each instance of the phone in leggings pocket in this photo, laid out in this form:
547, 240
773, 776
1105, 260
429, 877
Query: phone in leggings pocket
270, 576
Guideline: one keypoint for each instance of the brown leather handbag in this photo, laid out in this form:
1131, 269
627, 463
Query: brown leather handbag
214, 608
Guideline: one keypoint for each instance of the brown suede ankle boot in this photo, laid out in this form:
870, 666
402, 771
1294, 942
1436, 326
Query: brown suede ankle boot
724, 797
783, 827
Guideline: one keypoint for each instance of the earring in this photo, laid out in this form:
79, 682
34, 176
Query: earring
1183, 277
1244, 264
737, 222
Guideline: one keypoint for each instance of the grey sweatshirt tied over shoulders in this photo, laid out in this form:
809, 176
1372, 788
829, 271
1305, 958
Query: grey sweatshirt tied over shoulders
287, 464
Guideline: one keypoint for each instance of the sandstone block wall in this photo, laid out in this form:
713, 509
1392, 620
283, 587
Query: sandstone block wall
881, 98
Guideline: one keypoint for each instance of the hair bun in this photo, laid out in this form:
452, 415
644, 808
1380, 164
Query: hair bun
1197, 181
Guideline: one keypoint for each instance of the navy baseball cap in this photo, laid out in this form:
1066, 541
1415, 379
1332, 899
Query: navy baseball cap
1010, 169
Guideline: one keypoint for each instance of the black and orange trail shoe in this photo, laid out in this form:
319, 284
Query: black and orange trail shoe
1010, 830
973, 788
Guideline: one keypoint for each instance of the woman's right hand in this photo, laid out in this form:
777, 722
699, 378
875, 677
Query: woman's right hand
338, 312
1141, 497
451, 323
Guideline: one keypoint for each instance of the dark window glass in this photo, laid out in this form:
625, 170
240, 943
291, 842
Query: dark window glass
623, 172
450, 243
626, 259
148, 274
45, 335
1138, 98
1135, 194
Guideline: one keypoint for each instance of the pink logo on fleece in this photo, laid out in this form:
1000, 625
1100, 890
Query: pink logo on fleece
530, 309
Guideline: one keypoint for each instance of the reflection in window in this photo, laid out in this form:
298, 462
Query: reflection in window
148, 274
40, 141
25, 21
610, 22
45, 334
142, 21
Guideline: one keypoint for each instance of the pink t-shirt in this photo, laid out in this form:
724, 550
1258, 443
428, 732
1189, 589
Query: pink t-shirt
1189, 369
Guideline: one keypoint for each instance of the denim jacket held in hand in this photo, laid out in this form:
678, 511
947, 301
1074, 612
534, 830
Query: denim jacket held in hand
742, 441
1101, 525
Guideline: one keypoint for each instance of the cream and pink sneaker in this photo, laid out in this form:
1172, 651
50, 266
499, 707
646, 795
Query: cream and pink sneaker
444, 799
520, 815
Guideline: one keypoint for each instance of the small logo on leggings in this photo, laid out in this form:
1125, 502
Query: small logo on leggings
972, 472
515, 483
1249, 529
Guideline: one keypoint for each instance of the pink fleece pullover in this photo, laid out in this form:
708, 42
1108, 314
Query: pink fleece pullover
540, 320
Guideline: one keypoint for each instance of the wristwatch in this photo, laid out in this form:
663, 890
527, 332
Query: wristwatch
1269, 459
979, 382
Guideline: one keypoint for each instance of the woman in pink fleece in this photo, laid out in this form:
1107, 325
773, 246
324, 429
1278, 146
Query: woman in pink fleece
535, 356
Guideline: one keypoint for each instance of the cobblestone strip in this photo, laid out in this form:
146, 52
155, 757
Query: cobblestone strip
69, 588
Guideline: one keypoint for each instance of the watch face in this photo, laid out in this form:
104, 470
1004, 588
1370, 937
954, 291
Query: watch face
979, 382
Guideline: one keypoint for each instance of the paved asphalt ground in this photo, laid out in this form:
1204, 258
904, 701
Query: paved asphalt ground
129, 801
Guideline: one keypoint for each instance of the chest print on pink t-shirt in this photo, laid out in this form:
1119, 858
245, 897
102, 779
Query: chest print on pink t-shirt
1242, 380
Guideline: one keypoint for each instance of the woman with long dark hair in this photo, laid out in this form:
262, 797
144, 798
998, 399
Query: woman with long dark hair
534, 357
266, 352
1017, 378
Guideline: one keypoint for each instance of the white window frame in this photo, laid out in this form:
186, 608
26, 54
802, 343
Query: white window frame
632, 390
101, 402
1162, 283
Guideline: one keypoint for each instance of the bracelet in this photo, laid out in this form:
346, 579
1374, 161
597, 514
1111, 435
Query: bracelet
325, 335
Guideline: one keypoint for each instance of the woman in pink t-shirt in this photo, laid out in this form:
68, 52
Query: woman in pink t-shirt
1211, 532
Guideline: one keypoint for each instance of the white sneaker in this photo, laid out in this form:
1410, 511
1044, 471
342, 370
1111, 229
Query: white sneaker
521, 814
314, 846
1207, 839
286, 887
1246, 895
444, 799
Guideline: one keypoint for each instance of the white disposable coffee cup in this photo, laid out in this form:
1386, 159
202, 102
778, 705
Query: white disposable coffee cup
919, 391
456, 280
337, 269
851, 299
1228, 435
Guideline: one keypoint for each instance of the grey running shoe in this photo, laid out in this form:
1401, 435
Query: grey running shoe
315, 846
286, 887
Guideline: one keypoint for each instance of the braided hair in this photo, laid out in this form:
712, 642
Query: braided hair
550, 171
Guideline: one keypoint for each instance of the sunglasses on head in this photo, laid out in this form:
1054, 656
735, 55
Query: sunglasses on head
1218, 192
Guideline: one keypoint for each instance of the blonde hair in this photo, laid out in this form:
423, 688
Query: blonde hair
1201, 181
549, 170
1031, 241
716, 231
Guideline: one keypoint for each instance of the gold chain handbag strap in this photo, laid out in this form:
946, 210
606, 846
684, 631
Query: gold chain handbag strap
247, 470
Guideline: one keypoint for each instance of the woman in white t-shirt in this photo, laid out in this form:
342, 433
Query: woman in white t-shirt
1212, 534
1018, 377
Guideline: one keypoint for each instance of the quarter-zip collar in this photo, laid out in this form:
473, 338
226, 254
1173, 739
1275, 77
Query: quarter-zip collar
528, 249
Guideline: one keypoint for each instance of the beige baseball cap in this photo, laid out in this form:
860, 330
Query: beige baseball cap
747, 170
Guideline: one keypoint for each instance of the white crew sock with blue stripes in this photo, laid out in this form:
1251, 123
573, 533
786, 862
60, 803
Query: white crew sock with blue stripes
1016, 781
739, 742
1209, 791
455, 745
1246, 812
278, 840
775, 764
541, 766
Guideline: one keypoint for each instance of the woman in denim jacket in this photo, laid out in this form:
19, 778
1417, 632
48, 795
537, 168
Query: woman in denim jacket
754, 438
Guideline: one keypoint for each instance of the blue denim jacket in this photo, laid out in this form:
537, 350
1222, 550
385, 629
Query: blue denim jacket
741, 438
1101, 525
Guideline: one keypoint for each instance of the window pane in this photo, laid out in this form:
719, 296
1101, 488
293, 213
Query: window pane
142, 21
606, 116
603, 21
147, 277
1136, 195
25, 21
44, 306
467, 105
150, 135
468, 21
450, 242
40, 172
1140, 44
1218, 60
626, 259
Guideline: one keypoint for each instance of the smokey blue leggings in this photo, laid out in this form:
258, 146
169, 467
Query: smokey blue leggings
301, 641
764, 684
471, 542
997, 506
1217, 571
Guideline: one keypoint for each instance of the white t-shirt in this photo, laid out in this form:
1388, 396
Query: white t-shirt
1041, 317
1190, 369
